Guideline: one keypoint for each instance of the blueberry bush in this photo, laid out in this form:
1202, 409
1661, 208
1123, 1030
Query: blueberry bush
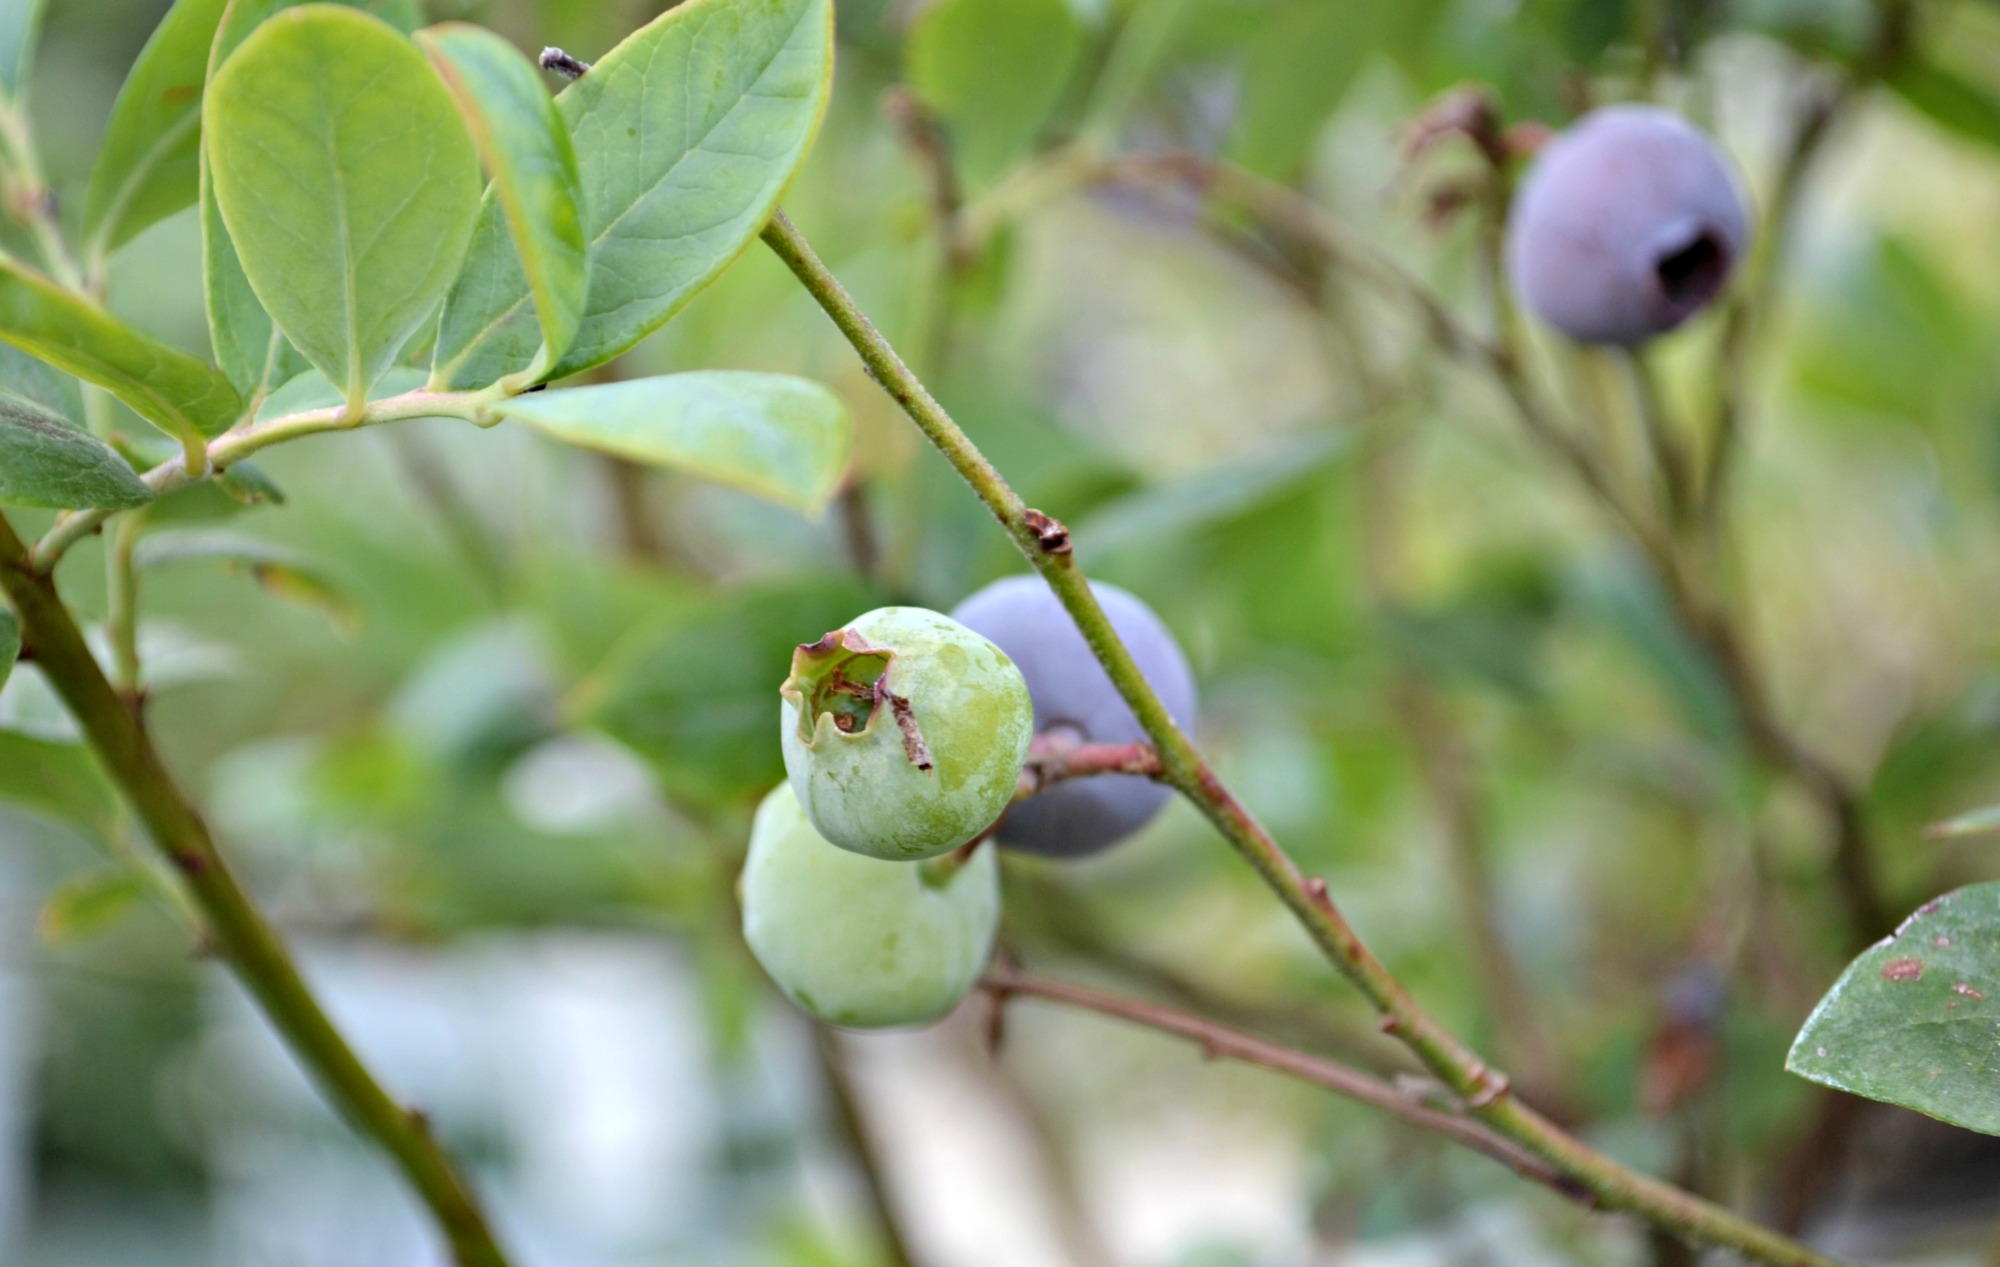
1544, 458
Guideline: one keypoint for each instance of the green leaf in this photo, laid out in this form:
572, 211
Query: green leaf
59, 780
88, 904
251, 349
285, 573
245, 16
527, 151
994, 70
1915, 1020
774, 435
46, 460
34, 379
1979, 822
347, 183
685, 134
248, 344
10, 643
186, 398
1950, 100
149, 165
20, 23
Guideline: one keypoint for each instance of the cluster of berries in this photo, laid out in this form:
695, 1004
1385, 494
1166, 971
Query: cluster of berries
906, 733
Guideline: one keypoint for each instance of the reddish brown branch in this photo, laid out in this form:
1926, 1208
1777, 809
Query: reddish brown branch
1219, 1042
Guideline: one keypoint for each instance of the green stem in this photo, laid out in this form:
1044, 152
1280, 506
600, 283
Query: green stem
247, 438
117, 731
851, 1123
1670, 457
34, 204
1484, 1090
121, 619
1710, 625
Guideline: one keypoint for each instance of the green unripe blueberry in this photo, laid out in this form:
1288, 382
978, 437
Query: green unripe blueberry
860, 942
904, 733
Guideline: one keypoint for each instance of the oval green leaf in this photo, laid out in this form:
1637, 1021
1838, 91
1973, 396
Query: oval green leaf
45, 460
186, 398
685, 135
346, 181
1916, 1019
774, 435
527, 151
148, 166
248, 345
994, 70
245, 16
34, 379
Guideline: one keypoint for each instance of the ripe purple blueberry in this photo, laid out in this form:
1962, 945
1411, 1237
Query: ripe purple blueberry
1073, 696
1629, 223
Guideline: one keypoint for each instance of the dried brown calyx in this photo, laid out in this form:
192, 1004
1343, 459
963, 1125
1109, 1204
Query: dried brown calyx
843, 676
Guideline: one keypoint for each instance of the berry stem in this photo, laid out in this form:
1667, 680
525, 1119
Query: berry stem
1052, 761
938, 872
1483, 1089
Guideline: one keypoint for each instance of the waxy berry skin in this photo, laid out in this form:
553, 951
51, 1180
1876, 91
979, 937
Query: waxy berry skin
904, 733
856, 941
1629, 222
1073, 696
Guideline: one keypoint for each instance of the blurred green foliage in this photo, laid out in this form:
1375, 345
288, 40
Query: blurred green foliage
1322, 507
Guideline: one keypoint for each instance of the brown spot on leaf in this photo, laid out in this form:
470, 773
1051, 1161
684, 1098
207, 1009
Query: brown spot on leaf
1968, 989
1903, 970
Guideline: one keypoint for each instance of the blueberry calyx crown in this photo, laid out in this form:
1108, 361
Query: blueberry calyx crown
845, 677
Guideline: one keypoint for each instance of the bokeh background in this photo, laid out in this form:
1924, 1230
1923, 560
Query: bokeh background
488, 750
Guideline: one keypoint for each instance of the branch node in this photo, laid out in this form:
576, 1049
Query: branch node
1488, 1085
1049, 533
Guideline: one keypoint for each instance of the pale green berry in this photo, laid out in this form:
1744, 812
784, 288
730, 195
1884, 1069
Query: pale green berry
904, 733
857, 941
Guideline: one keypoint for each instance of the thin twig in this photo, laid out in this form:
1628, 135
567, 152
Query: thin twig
1670, 456
121, 607
1824, 107
1219, 1042
851, 1123
239, 931
1482, 1089
249, 437
1706, 622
